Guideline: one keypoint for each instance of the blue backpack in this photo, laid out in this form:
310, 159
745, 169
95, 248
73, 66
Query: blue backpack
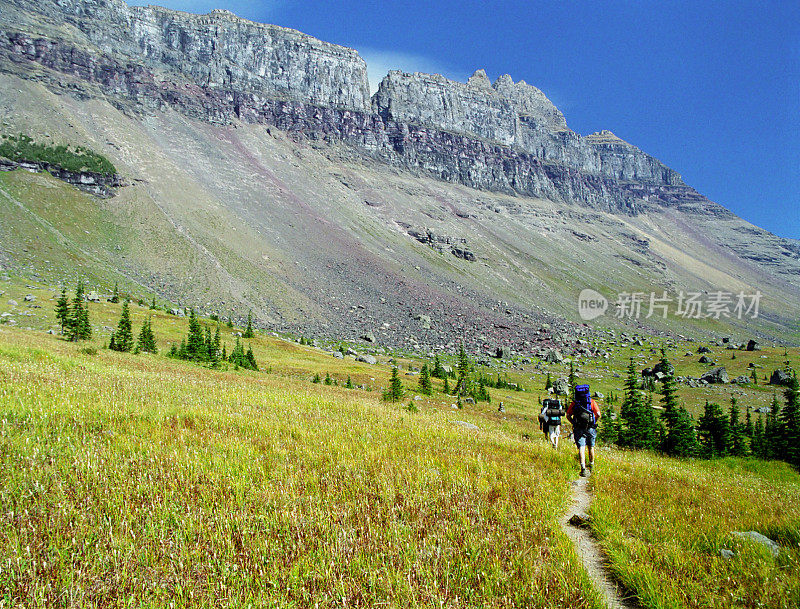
584, 415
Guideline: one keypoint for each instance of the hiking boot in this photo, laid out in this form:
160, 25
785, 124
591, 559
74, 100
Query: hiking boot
584, 473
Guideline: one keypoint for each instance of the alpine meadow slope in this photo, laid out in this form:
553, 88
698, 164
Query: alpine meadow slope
259, 176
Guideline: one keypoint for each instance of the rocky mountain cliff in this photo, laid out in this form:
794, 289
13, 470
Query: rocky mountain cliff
255, 158
505, 136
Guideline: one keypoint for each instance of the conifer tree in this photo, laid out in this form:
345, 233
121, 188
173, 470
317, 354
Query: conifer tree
773, 433
214, 352
153, 306
248, 333
790, 423
549, 382
608, 431
572, 380
754, 376
112, 345
224, 353
669, 401
446, 388
735, 439
638, 428
438, 370
78, 327
425, 385
123, 337
349, 383
749, 430
62, 309
712, 429
395, 391
758, 444
683, 439
115, 295
147, 340
463, 370
196, 349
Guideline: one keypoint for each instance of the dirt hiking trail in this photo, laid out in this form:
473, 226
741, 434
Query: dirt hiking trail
589, 551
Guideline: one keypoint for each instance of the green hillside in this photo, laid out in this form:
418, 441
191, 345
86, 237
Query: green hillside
140, 480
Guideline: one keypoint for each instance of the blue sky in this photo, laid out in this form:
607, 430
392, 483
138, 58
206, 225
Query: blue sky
710, 88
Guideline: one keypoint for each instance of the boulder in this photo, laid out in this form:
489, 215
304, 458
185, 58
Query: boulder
338, 354
29, 298
757, 537
703, 349
742, 380
553, 356
753, 345
466, 424
780, 377
705, 360
581, 520
366, 358
726, 554
715, 375
561, 386
369, 337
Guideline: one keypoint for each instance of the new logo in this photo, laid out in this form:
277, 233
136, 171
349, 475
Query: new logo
591, 304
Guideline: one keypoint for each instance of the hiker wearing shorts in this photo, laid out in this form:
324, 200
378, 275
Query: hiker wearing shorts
550, 420
584, 414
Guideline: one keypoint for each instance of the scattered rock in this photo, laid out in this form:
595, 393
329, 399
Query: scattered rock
715, 375
369, 337
581, 520
366, 358
704, 360
770, 545
466, 424
726, 554
13, 303
780, 377
338, 355
753, 345
742, 380
469, 401
29, 298
553, 356
703, 349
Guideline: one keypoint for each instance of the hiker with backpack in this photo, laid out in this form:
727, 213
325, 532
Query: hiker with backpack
584, 414
550, 420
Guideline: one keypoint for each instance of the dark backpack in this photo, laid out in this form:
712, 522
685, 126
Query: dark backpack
553, 411
583, 415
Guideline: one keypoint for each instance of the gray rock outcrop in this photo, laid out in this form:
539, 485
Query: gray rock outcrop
716, 375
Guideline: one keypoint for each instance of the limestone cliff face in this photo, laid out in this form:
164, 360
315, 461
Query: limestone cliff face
501, 136
218, 50
513, 114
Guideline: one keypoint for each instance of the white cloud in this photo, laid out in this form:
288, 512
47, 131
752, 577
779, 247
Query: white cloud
380, 62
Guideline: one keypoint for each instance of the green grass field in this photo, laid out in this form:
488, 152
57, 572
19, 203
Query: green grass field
144, 481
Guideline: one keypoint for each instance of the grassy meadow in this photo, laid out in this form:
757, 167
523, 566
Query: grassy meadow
142, 481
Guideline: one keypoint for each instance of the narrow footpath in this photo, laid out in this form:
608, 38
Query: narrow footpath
589, 551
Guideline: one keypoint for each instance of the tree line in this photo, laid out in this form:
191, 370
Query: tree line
717, 433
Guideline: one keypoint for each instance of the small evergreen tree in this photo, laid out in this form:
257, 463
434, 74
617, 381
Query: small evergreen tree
251, 359
758, 445
196, 349
425, 385
639, 427
248, 333
548, 383
463, 371
608, 431
115, 295
349, 383
153, 306
438, 370
328, 380
773, 433
712, 429
395, 391
790, 423
123, 337
683, 439
147, 340
78, 327
754, 376
316, 378
735, 441
446, 388
669, 400
62, 309
572, 379
214, 351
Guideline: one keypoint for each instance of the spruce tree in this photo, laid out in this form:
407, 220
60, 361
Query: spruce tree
248, 333
549, 382
463, 370
683, 438
153, 306
62, 309
123, 337
251, 359
712, 429
446, 387
115, 295
147, 340
438, 370
735, 440
638, 428
425, 385
773, 433
196, 349
608, 431
395, 390
758, 444
78, 327
669, 401
790, 423
214, 352
572, 380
